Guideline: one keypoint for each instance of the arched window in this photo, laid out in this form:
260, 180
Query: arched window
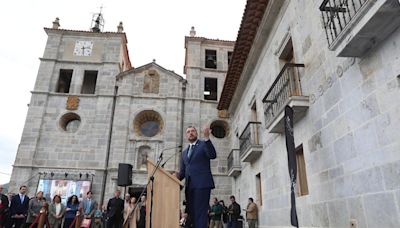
219, 129
148, 123
70, 122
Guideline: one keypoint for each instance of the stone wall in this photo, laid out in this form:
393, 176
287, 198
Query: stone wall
348, 134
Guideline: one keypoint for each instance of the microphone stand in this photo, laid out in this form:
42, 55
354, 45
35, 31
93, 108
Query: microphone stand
151, 180
169, 158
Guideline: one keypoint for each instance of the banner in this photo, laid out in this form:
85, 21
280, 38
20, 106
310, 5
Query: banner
63, 188
290, 147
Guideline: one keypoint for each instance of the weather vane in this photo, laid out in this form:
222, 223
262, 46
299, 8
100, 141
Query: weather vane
98, 21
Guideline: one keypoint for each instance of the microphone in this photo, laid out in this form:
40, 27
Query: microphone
162, 166
169, 148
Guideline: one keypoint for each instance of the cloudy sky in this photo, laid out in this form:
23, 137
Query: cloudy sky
155, 30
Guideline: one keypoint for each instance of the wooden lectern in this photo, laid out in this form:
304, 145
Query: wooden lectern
166, 198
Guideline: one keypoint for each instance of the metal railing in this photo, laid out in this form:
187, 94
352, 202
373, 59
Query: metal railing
337, 14
286, 84
233, 159
249, 137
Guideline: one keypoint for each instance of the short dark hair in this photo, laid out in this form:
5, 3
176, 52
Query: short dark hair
22, 186
251, 199
191, 126
232, 197
56, 196
89, 192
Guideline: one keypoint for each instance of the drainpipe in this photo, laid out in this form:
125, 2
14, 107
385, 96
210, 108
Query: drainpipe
177, 159
103, 188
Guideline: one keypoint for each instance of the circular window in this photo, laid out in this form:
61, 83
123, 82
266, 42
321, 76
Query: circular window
148, 123
70, 122
219, 129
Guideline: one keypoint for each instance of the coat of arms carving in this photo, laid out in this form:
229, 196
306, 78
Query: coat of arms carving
72, 102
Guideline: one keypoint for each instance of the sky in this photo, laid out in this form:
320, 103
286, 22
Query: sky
155, 29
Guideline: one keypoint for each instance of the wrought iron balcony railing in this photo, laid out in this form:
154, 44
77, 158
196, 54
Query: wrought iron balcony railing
337, 14
286, 85
249, 137
234, 167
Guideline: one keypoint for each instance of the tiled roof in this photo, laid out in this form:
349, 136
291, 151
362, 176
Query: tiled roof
251, 20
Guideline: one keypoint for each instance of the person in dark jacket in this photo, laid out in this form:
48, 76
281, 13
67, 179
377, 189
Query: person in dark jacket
224, 214
71, 210
19, 208
195, 169
115, 209
4, 203
234, 213
141, 223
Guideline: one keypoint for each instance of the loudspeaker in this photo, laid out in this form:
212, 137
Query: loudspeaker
124, 174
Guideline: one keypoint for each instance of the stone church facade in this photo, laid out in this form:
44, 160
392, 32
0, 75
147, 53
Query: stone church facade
91, 110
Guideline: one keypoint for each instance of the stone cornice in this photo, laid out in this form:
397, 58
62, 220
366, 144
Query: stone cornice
207, 70
205, 40
58, 167
71, 94
76, 62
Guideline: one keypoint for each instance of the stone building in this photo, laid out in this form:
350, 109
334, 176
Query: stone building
91, 110
337, 64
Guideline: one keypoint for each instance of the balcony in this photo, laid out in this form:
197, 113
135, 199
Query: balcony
285, 90
250, 147
353, 27
234, 167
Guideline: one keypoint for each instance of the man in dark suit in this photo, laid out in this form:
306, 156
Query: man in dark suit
19, 207
195, 169
115, 209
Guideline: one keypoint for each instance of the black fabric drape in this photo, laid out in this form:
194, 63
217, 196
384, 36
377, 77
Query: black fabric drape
290, 147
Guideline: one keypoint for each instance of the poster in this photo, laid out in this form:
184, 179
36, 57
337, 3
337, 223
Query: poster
63, 188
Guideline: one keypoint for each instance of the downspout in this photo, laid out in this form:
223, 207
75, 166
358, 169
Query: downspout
103, 188
177, 158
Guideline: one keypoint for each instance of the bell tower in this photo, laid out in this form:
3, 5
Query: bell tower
67, 128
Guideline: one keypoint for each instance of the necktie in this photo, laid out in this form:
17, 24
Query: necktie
190, 150
22, 199
88, 206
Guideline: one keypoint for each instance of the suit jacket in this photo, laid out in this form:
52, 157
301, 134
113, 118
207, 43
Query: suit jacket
33, 210
196, 170
52, 213
92, 207
115, 207
17, 207
234, 211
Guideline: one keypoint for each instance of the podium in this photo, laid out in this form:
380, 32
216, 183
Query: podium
166, 198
